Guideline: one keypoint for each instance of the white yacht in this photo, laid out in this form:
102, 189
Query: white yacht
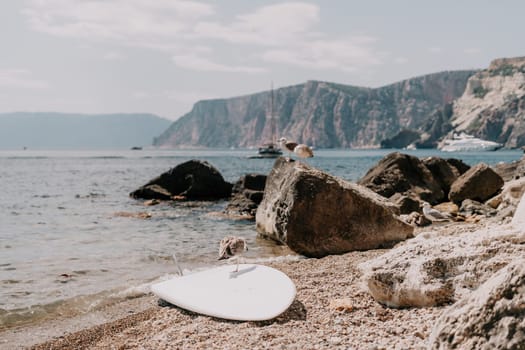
463, 142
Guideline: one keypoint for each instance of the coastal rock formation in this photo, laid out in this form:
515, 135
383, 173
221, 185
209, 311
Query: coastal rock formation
478, 183
317, 214
405, 174
492, 106
247, 193
434, 269
194, 179
319, 114
492, 317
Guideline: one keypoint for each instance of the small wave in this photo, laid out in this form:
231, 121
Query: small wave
67, 307
283, 258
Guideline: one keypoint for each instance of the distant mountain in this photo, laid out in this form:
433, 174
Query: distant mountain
78, 131
321, 114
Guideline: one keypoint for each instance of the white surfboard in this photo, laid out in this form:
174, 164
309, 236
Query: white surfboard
254, 293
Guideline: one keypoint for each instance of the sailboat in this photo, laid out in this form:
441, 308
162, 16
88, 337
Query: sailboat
270, 149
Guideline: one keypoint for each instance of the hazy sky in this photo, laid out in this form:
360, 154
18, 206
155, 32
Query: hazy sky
161, 56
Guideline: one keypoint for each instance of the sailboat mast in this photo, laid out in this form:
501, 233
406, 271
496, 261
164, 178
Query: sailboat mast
272, 121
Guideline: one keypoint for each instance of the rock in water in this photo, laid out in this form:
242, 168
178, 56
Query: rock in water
479, 183
492, 317
193, 179
317, 214
247, 193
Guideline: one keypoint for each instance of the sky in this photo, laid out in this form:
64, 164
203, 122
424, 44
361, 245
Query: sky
162, 56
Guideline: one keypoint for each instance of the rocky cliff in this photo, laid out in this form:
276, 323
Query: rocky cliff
321, 114
492, 106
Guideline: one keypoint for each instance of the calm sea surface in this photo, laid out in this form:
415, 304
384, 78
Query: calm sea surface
67, 244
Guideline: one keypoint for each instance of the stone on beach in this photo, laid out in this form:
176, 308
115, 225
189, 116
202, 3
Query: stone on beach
194, 179
317, 214
492, 317
406, 174
445, 171
478, 183
432, 270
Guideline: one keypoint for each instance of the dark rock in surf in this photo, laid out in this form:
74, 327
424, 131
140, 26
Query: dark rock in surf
247, 193
194, 179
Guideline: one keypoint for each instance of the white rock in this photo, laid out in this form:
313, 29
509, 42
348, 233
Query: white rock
518, 221
434, 270
492, 317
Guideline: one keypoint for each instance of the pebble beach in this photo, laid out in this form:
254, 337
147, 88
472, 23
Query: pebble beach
332, 310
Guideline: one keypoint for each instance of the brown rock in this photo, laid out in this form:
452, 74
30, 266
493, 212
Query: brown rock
478, 183
403, 173
447, 207
445, 172
317, 214
406, 204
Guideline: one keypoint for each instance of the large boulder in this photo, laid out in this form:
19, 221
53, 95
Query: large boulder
492, 317
440, 267
194, 179
406, 174
247, 193
479, 183
445, 171
317, 214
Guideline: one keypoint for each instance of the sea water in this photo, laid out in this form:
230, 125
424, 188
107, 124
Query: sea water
71, 241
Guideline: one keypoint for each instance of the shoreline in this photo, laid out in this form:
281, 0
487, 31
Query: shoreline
331, 310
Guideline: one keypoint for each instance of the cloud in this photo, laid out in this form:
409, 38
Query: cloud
282, 33
472, 50
325, 54
401, 60
435, 50
21, 79
113, 56
114, 19
200, 63
273, 25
